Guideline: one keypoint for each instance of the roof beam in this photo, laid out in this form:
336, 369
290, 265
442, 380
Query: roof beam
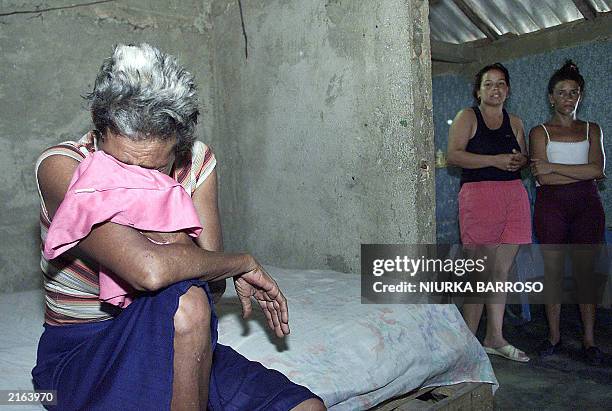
585, 9
510, 47
476, 20
451, 53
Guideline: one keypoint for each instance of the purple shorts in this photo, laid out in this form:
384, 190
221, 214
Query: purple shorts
569, 214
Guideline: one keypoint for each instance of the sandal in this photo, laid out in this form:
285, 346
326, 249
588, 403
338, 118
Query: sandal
508, 351
546, 348
593, 355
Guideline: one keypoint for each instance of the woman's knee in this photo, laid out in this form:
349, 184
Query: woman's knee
193, 313
312, 404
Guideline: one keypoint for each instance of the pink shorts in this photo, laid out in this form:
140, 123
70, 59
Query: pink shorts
494, 212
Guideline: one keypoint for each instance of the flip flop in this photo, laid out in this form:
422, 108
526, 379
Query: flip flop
508, 351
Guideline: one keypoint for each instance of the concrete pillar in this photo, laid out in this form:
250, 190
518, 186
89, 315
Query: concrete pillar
324, 133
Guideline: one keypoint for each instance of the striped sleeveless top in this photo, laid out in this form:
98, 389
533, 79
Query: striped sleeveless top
71, 280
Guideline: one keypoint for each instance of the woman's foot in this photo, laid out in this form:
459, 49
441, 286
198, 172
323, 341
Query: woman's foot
548, 348
494, 342
593, 355
508, 351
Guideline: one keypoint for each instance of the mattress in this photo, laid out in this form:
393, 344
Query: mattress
352, 355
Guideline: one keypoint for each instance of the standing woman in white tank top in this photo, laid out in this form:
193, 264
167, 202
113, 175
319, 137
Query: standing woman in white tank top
567, 158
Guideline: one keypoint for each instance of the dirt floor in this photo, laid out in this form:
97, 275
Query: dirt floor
559, 382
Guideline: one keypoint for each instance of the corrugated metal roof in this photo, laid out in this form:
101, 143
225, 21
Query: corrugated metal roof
602, 6
520, 17
450, 24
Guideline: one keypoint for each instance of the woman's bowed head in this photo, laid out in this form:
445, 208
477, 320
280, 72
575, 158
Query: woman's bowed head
144, 94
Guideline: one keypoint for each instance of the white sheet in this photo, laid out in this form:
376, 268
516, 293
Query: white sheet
352, 355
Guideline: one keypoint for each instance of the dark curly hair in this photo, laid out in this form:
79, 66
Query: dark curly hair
569, 71
478, 77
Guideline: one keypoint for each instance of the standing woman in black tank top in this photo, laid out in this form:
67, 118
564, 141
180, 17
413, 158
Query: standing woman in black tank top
494, 212
567, 158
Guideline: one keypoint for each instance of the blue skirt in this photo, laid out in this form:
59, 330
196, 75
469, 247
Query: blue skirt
127, 363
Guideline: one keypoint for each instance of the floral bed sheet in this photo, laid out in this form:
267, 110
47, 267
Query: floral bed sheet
355, 355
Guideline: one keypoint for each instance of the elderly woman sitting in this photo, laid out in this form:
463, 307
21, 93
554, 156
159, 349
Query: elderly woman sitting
160, 351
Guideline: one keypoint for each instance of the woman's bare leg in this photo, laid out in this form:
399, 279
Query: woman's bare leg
473, 312
504, 258
311, 404
495, 319
587, 313
192, 351
554, 268
471, 315
553, 315
583, 261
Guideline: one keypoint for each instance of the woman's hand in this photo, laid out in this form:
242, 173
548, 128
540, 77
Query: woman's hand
258, 284
510, 162
540, 167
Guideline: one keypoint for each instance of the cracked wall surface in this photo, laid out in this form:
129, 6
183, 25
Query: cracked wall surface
324, 134
50, 59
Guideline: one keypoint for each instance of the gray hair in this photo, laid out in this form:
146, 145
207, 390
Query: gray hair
141, 92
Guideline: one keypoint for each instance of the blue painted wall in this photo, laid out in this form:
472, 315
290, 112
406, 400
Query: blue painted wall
529, 79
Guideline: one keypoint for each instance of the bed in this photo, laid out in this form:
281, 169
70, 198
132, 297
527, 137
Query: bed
354, 356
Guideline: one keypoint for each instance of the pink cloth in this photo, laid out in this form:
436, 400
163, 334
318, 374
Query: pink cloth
104, 189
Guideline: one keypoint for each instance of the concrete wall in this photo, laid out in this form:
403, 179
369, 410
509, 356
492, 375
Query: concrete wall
324, 134
529, 79
49, 59
321, 133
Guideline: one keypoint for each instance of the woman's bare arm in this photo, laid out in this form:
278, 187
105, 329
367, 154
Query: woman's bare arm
519, 131
206, 204
149, 267
594, 169
129, 254
553, 173
459, 135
